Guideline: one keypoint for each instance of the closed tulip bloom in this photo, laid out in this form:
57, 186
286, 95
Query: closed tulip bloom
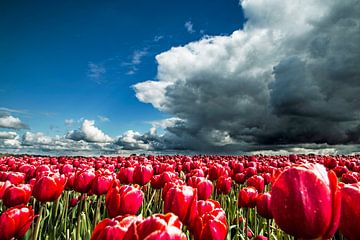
257, 182
158, 226
17, 195
102, 183
181, 200
350, 211
263, 205
113, 229
3, 187
83, 180
142, 174
223, 185
125, 175
123, 200
16, 177
14, 222
247, 197
210, 223
204, 189
49, 188
305, 201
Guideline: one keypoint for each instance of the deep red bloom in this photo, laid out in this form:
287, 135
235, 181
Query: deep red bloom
181, 200
102, 183
113, 228
263, 205
49, 188
15, 222
350, 211
17, 195
210, 222
3, 187
125, 175
158, 226
83, 180
123, 200
305, 201
349, 177
142, 174
204, 187
257, 182
223, 185
247, 197
16, 177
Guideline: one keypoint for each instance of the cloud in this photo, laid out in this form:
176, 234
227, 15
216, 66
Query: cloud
8, 135
8, 121
189, 27
157, 38
69, 121
289, 77
136, 59
103, 118
89, 133
96, 72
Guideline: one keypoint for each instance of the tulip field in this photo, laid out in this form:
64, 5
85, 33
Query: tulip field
180, 197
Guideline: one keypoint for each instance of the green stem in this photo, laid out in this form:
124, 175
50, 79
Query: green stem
246, 222
39, 222
268, 228
78, 227
97, 211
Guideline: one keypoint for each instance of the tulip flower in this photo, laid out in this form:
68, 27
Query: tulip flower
142, 174
350, 211
204, 187
49, 188
3, 187
17, 195
16, 177
247, 197
181, 200
123, 200
257, 182
83, 180
263, 205
125, 175
210, 223
305, 201
223, 185
113, 228
14, 222
157, 226
102, 183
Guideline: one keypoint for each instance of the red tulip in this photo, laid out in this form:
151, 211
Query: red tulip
158, 226
113, 228
102, 183
3, 187
123, 200
49, 188
83, 180
17, 195
247, 197
263, 205
305, 201
125, 175
181, 200
204, 187
14, 222
142, 174
223, 185
16, 177
350, 211
257, 182
210, 223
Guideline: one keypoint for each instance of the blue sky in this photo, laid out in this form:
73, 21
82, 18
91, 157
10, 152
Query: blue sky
48, 50
107, 77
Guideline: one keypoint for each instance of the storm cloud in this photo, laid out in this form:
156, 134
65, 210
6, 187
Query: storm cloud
290, 76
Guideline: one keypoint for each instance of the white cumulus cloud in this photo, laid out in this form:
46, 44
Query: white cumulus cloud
88, 132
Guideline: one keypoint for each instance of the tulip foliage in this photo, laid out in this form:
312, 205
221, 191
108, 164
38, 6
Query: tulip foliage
180, 197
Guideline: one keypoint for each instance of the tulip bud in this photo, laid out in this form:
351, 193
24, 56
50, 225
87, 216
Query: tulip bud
350, 211
123, 200
305, 201
263, 205
223, 185
142, 174
247, 197
17, 195
83, 180
14, 222
49, 188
